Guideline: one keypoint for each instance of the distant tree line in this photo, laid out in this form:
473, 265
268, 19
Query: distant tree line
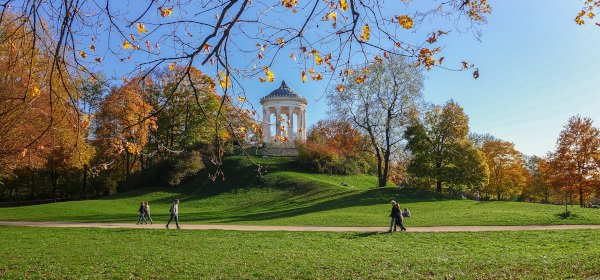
381, 126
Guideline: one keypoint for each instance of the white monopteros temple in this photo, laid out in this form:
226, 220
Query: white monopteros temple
284, 117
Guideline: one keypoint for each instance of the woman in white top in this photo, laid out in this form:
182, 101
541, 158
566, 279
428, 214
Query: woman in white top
174, 213
147, 212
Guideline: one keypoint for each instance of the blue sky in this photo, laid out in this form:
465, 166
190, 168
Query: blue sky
537, 69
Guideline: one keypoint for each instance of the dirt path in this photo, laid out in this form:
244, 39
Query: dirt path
295, 228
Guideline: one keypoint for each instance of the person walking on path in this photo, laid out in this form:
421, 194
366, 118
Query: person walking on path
147, 212
477, 196
174, 213
400, 219
396, 217
142, 218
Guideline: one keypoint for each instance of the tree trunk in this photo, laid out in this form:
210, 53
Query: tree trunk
53, 180
571, 198
386, 169
381, 181
32, 183
581, 198
83, 186
438, 179
127, 166
566, 203
380, 170
17, 197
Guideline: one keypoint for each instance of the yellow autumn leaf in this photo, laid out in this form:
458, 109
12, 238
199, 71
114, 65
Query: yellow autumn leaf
366, 33
332, 16
82, 54
340, 87
405, 21
224, 80
165, 12
241, 98
293, 56
343, 5
318, 58
242, 129
289, 3
304, 76
280, 41
141, 28
36, 92
127, 45
360, 79
86, 122
172, 65
206, 48
270, 75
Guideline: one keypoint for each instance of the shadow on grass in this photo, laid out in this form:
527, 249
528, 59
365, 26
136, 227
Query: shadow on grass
566, 215
364, 234
302, 195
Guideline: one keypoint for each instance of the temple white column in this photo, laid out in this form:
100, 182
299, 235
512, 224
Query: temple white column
303, 114
293, 134
277, 121
265, 125
288, 133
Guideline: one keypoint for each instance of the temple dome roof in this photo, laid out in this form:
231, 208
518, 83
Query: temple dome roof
285, 92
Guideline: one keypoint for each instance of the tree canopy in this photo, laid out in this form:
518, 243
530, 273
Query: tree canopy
381, 106
441, 149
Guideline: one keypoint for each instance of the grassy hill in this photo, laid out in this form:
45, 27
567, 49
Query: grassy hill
288, 195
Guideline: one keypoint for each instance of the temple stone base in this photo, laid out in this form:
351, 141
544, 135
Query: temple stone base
279, 152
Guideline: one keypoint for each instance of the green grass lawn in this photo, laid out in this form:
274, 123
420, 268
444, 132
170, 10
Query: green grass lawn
288, 195
161, 254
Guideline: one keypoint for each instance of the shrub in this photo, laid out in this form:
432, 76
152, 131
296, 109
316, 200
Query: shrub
335, 147
187, 165
170, 172
322, 159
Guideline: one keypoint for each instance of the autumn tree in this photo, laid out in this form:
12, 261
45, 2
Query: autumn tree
123, 129
576, 161
40, 125
441, 149
508, 175
191, 117
538, 187
381, 106
335, 146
